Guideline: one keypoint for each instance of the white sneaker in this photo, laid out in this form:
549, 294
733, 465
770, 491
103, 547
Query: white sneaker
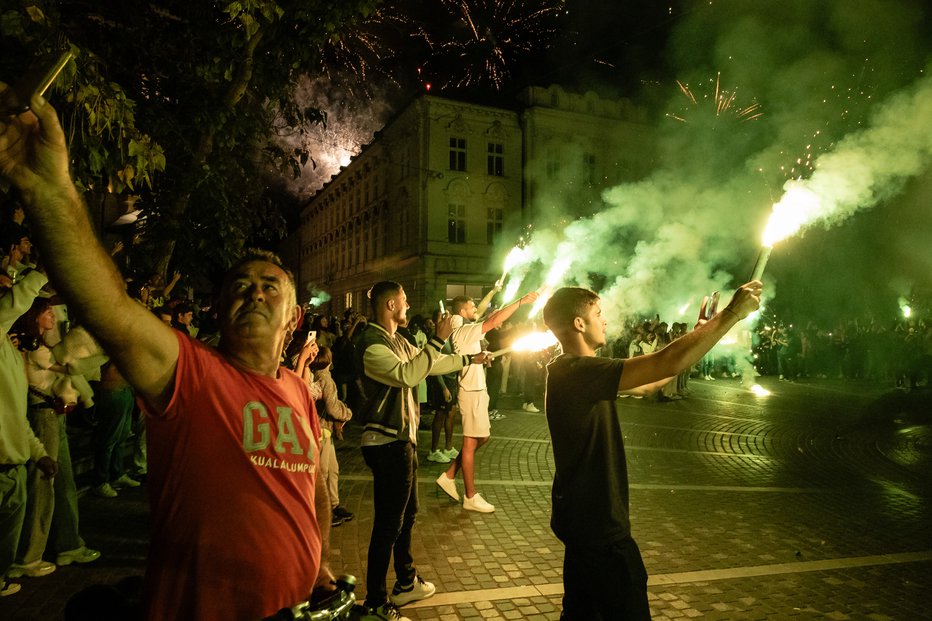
448, 485
104, 490
419, 589
452, 453
35, 569
126, 481
9, 588
438, 456
477, 503
530, 407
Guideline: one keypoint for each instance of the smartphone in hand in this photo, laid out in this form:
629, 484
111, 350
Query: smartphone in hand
311, 335
37, 79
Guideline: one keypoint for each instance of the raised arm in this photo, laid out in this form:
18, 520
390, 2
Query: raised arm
500, 316
690, 348
484, 302
34, 159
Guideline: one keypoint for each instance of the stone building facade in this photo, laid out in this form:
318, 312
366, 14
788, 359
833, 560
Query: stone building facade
442, 192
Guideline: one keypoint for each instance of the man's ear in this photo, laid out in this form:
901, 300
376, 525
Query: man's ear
297, 318
579, 324
390, 304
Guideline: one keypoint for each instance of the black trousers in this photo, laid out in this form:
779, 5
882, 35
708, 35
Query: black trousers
394, 475
607, 583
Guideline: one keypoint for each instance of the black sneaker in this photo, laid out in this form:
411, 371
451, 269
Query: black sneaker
335, 520
343, 513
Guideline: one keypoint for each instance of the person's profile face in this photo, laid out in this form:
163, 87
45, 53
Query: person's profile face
46, 320
469, 310
594, 333
400, 312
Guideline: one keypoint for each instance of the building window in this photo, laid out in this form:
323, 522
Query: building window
456, 225
458, 154
348, 300
493, 227
589, 168
496, 159
471, 291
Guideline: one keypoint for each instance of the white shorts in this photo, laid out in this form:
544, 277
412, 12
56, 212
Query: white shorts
474, 407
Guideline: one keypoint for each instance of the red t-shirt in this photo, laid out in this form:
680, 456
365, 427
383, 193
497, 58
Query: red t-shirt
232, 468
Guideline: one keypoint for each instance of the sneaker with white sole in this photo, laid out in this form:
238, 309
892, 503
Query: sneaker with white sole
448, 485
477, 503
530, 407
81, 555
438, 456
126, 481
451, 453
9, 588
385, 612
104, 490
35, 569
417, 590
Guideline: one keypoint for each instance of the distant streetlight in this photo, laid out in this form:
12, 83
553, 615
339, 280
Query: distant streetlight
907, 311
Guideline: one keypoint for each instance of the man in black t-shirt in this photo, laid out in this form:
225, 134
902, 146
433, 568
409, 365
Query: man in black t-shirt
603, 573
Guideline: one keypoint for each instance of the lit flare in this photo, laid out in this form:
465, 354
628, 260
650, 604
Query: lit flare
535, 341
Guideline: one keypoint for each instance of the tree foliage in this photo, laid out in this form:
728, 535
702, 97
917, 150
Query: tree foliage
173, 102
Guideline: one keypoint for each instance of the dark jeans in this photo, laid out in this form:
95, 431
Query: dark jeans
114, 425
607, 583
394, 476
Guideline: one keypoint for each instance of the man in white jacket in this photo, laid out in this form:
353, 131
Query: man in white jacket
18, 444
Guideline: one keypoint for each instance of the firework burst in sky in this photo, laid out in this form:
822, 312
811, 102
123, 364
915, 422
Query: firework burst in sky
488, 37
723, 102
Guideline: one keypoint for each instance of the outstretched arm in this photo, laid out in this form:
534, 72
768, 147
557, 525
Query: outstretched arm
484, 302
34, 159
690, 348
500, 316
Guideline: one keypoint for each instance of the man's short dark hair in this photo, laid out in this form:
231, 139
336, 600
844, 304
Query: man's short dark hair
381, 291
181, 309
565, 305
258, 254
459, 302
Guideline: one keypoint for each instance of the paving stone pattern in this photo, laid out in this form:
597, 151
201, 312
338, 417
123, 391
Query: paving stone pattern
754, 492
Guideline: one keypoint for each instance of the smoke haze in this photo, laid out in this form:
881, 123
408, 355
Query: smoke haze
847, 107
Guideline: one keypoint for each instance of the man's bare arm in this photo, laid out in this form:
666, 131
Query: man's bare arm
647, 389
500, 316
34, 158
690, 348
484, 302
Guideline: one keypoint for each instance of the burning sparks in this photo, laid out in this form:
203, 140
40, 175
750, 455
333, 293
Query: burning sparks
760, 391
535, 341
492, 34
557, 271
722, 102
798, 207
516, 257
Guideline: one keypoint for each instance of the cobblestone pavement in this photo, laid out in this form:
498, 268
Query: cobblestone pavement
813, 503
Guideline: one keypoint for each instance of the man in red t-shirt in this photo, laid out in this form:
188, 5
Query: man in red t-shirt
240, 518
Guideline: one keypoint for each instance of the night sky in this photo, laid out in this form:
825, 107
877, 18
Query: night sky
819, 75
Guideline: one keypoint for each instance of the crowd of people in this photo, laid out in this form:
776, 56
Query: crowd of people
244, 400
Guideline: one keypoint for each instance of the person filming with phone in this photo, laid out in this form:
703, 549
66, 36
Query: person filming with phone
240, 518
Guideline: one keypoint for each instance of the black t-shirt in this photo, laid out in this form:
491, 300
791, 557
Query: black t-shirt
590, 486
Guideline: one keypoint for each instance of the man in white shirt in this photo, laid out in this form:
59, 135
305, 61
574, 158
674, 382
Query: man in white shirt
473, 398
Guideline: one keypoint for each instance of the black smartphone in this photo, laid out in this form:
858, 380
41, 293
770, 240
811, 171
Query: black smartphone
37, 79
